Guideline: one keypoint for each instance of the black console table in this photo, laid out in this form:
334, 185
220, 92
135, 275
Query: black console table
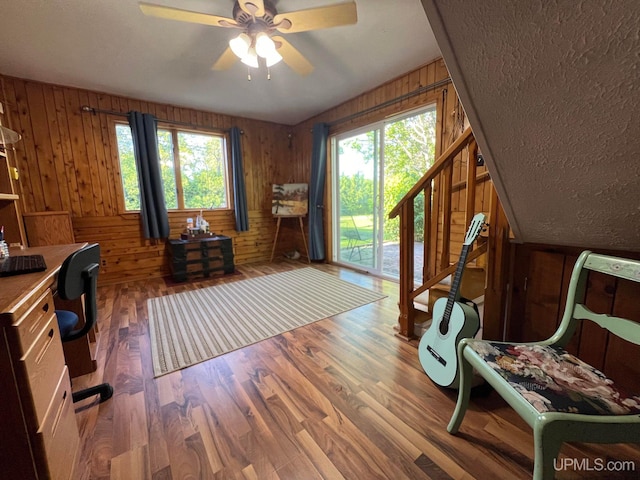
200, 256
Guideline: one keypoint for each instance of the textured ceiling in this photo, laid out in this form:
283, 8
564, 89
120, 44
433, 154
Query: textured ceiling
552, 92
110, 46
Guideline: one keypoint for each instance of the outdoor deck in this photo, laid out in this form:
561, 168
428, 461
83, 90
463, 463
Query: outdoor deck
362, 256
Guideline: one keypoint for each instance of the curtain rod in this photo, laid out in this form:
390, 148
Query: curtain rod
417, 91
87, 108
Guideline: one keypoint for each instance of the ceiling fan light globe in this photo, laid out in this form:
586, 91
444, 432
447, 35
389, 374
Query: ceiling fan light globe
250, 59
273, 58
264, 45
240, 45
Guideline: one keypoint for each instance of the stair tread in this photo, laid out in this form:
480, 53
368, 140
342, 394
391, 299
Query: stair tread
440, 286
473, 282
424, 296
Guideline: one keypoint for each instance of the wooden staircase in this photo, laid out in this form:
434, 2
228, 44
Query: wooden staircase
454, 202
471, 287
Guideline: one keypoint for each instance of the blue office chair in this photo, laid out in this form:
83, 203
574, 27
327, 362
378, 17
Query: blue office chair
79, 276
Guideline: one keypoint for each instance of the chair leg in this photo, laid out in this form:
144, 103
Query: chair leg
353, 249
464, 392
104, 390
547, 443
350, 247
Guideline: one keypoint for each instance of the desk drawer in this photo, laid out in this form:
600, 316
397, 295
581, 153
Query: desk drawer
34, 321
42, 365
59, 432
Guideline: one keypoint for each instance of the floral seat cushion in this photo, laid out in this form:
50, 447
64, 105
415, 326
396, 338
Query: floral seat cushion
553, 380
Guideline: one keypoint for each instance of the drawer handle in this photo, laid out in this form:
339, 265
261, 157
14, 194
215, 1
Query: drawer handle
35, 325
45, 347
59, 413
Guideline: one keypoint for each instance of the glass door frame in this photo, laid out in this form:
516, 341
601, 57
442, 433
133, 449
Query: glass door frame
379, 180
378, 197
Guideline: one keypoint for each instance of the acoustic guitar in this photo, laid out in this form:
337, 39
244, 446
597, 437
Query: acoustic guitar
453, 320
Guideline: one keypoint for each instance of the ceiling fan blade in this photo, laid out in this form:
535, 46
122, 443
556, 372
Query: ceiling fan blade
317, 18
226, 60
186, 15
252, 7
292, 57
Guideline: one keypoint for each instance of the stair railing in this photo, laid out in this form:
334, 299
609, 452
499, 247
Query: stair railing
438, 189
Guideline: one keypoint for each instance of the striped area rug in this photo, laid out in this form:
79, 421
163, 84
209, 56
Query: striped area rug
190, 327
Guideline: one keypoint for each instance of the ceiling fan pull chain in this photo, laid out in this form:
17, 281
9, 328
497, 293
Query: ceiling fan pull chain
268, 73
249, 74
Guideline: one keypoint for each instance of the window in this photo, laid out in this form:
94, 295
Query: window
193, 166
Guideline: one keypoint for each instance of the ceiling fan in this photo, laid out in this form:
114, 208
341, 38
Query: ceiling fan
258, 22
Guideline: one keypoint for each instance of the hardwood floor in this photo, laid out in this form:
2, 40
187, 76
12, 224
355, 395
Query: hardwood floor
340, 398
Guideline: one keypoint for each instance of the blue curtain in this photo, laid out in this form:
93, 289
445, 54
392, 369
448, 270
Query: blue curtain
316, 191
153, 210
239, 191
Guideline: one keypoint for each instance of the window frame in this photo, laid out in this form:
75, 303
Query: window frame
174, 129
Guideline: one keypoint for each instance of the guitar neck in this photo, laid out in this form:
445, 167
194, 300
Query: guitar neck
454, 293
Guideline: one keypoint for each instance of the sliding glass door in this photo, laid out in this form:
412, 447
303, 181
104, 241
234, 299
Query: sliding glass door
372, 169
356, 190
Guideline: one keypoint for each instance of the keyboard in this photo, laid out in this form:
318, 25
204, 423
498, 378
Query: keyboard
18, 264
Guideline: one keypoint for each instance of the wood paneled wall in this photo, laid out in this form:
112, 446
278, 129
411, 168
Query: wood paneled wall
68, 161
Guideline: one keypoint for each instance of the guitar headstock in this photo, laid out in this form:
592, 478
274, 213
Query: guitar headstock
477, 223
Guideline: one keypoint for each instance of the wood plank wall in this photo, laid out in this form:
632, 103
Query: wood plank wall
68, 161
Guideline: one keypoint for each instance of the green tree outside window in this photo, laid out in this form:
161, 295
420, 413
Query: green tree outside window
199, 157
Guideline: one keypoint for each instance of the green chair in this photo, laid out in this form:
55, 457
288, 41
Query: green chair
562, 398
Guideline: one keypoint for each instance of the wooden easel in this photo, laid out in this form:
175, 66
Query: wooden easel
304, 239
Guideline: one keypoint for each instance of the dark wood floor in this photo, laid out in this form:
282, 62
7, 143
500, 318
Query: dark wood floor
340, 398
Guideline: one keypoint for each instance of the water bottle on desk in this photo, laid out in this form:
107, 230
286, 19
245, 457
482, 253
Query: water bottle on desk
4, 248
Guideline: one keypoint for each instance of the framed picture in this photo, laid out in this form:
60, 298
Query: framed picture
290, 199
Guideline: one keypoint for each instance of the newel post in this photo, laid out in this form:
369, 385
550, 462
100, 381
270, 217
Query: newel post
405, 303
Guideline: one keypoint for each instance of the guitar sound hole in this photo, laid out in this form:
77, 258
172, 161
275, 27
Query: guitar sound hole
444, 328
